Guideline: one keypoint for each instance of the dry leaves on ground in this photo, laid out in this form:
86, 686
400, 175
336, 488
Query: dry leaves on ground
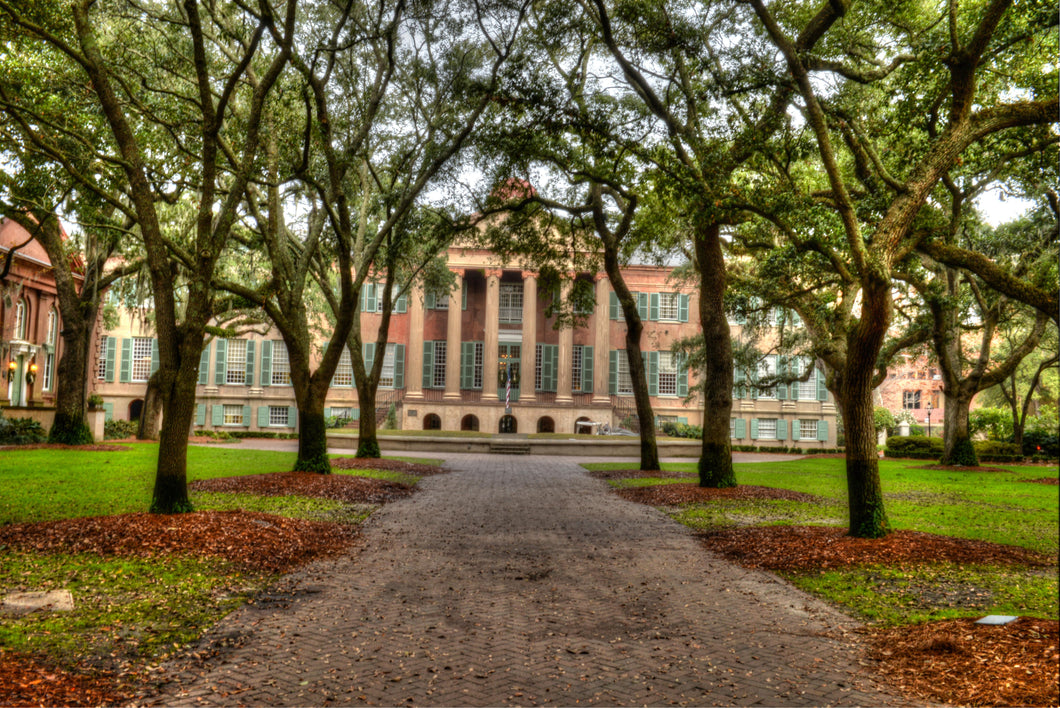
338, 487
958, 661
687, 493
27, 682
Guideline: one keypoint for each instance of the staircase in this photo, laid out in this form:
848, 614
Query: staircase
510, 445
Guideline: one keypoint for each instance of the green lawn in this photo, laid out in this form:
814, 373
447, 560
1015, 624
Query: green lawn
1000, 507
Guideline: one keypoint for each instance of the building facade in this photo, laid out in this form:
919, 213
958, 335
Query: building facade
485, 356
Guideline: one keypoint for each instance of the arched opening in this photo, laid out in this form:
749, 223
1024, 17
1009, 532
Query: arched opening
469, 422
584, 429
431, 421
136, 408
546, 425
508, 424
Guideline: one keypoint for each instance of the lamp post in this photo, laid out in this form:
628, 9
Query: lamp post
929, 418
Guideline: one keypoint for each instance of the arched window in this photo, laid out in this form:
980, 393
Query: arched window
49, 347
508, 424
546, 425
21, 317
469, 422
431, 421
583, 428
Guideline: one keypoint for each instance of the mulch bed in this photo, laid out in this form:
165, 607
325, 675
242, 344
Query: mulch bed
799, 548
338, 487
961, 468
380, 463
24, 681
633, 474
251, 540
1044, 480
57, 446
682, 493
960, 662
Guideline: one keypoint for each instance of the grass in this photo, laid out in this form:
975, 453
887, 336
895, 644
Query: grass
999, 507
135, 610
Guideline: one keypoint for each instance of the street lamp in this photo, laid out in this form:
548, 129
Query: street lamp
929, 418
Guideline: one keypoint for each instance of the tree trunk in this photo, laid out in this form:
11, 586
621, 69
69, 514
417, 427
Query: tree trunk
177, 389
958, 449
367, 428
312, 433
649, 450
715, 461
70, 427
150, 415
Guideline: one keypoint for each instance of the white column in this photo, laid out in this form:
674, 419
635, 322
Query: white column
601, 340
452, 338
414, 355
564, 354
491, 341
526, 390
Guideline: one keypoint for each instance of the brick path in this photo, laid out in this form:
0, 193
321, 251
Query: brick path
522, 581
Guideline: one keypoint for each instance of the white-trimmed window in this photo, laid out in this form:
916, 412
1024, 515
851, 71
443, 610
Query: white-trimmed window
278, 416
344, 371
386, 376
732, 428
236, 366
807, 429
49, 357
441, 302
476, 376
767, 428
808, 388
53, 325
539, 368
667, 374
101, 359
767, 369
511, 302
342, 412
910, 400
576, 370
281, 364
439, 364
21, 310
233, 414
49, 371
669, 306
141, 361
625, 381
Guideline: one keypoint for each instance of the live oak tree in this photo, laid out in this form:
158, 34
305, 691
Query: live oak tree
876, 197
167, 79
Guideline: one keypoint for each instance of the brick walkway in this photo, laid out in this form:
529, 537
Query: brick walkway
522, 581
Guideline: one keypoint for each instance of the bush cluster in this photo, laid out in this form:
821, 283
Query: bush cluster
119, 429
1048, 442
20, 431
682, 430
917, 447
335, 421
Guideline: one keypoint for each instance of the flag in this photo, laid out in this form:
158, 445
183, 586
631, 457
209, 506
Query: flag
508, 388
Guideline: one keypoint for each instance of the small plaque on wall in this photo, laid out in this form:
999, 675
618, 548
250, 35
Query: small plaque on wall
412, 412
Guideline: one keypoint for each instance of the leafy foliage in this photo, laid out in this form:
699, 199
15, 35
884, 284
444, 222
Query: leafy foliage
20, 431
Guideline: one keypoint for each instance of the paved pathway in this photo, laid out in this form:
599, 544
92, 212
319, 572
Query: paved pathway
522, 581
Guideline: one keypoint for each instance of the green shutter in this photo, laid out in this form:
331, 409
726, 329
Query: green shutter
355, 414
369, 301
551, 367
822, 390
782, 429
614, 309
612, 372
368, 352
738, 378
217, 414
653, 307
266, 363
430, 300
683, 420
741, 428
126, 361
200, 414
402, 304
682, 378
463, 295
754, 428
250, 364
428, 364
263, 416
220, 364
112, 345
642, 305
154, 356
682, 308
822, 430
204, 367
399, 366
246, 416
793, 389
292, 416
467, 365
587, 369
108, 411
653, 373
795, 430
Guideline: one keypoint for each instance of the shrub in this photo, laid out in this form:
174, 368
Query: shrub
682, 430
20, 431
1041, 443
119, 429
914, 446
336, 421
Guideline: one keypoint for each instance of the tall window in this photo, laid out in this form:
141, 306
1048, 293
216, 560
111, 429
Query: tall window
767, 429
576, 370
511, 302
53, 324
236, 369
441, 302
386, 377
233, 414
476, 380
344, 371
439, 364
669, 306
49, 357
141, 362
281, 364
49, 371
910, 400
101, 359
20, 319
808, 429
667, 374
278, 415
767, 369
625, 381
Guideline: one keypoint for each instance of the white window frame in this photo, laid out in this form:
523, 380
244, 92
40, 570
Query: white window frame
140, 371
49, 371
669, 307
281, 364
440, 347
477, 374
344, 370
233, 414
279, 417
344, 412
101, 360
386, 376
21, 311
539, 355
53, 321
236, 362
732, 428
807, 429
511, 303
767, 368
576, 370
767, 428
911, 400
667, 369
625, 380
441, 301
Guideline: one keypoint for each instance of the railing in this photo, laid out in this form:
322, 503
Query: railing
625, 412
